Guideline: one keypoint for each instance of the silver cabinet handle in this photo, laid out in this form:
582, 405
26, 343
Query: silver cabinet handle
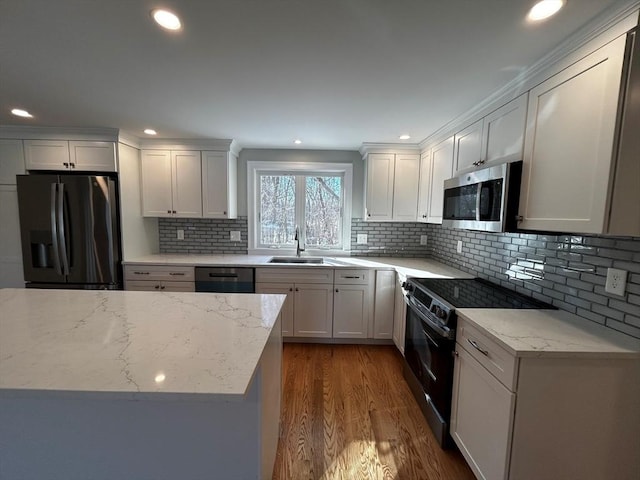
477, 347
351, 276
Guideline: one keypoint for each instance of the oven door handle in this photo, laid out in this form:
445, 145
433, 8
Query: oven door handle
441, 330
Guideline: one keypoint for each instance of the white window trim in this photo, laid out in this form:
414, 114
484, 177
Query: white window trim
297, 168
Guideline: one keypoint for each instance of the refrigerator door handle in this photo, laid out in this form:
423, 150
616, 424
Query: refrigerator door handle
63, 240
54, 229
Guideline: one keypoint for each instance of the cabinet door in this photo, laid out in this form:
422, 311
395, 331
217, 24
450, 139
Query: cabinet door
569, 143
380, 177
481, 417
399, 318
286, 314
424, 187
93, 156
351, 317
11, 273
186, 184
405, 187
177, 286
313, 310
156, 183
11, 161
441, 170
142, 285
219, 185
46, 154
384, 304
503, 131
467, 146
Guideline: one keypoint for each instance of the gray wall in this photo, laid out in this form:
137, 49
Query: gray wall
316, 156
568, 271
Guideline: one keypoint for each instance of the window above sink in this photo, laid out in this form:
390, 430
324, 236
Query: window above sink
314, 196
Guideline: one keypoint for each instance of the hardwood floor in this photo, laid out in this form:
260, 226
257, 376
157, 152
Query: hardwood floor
347, 413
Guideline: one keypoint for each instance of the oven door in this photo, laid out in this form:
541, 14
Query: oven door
429, 356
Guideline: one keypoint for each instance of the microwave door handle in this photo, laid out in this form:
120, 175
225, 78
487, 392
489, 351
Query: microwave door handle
54, 229
63, 240
478, 197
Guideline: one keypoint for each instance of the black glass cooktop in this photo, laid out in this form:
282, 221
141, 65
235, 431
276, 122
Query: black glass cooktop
477, 293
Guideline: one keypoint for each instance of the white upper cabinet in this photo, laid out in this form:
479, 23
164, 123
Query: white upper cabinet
441, 170
405, 187
46, 154
392, 186
503, 131
87, 156
569, 143
380, 176
11, 161
467, 147
171, 184
424, 189
92, 156
219, 183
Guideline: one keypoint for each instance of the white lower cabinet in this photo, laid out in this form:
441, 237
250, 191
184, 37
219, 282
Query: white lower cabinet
165, 278
384, 304
352, 301
399, 316
570, 415
308, 310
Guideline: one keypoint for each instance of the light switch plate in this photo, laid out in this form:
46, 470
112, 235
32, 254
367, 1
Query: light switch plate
362, 239
235, 236
180, 233
423, 239
616, 281
459, 246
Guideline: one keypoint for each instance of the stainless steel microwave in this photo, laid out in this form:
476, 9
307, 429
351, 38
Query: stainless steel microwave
485, 199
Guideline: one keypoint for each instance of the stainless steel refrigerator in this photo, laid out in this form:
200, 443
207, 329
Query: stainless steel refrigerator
69, 227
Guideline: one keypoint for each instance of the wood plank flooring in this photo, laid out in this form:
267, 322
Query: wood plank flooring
348, 414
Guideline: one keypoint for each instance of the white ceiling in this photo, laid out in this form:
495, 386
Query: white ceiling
335, 73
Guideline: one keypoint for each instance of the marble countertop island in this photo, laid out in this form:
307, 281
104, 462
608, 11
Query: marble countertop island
132, 344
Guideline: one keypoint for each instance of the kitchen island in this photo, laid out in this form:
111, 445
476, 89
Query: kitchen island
112, 384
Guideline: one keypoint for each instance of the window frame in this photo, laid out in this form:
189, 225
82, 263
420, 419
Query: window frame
257, 168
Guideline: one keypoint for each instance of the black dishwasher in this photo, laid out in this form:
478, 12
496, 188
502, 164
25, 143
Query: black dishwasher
225, 280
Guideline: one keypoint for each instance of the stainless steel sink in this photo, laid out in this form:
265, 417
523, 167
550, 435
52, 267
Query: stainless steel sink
314, 260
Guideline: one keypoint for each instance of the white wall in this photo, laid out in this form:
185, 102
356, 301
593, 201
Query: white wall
139, 234
325, 156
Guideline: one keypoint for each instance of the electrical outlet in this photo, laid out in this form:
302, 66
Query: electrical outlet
423, 239
616, 281
180, 233
459, 246
362, 239
235, 236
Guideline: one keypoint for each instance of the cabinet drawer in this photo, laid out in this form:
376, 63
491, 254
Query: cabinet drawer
487, 352
348, 276
294, 275
160, 286
159, 272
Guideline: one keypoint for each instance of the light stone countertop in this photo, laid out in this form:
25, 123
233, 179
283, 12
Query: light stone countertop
413, 267
132, 344
551, 333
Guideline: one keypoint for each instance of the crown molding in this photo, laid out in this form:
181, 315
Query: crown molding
368, 148
26, 132
213, 144
129, 139
612, 23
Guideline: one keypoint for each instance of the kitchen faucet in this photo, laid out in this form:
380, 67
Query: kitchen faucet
297, 239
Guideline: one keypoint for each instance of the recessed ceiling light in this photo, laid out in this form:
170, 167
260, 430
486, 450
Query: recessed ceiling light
150, 131
18, 112
404, 137
544, 9
166, 19
297, 141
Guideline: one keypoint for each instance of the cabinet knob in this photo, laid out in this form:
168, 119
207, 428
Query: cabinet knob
174, 212
162, 287
65, 164
157, 287
291, 289
336, 290
368, 214
424, 216
297, 289
168, 211
224, 213
73, 165
454, 353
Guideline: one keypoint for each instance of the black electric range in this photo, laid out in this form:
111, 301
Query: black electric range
430, 337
